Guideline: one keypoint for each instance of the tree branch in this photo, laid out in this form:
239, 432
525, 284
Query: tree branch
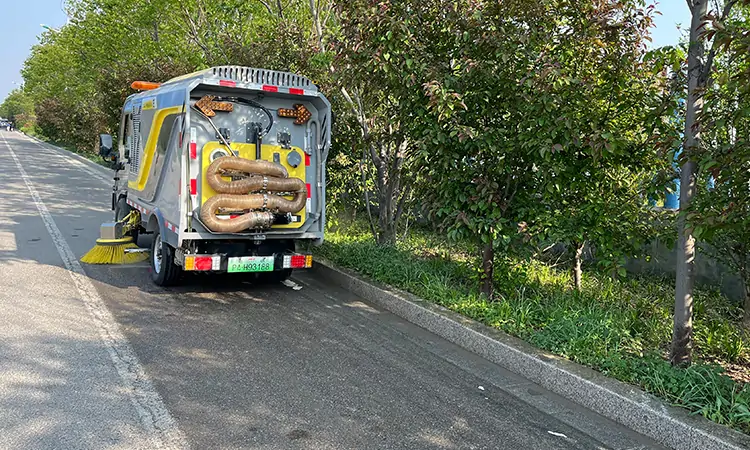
706, 70
267, 6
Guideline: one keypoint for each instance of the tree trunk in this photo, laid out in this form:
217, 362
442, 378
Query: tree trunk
744, 273
681, 352
488, 270
746, 315
577, 271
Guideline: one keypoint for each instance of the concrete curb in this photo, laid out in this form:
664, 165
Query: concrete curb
623, 403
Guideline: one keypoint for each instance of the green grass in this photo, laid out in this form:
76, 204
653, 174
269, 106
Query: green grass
621, 328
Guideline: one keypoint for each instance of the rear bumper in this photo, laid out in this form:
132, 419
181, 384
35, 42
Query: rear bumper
220, 262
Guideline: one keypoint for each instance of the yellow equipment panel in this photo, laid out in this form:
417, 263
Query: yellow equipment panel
247, 151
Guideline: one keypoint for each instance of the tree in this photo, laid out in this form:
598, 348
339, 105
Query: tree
546, 115
600, 100
375, 72
79, 76
478, 154
702, 49
19, 108
720, 214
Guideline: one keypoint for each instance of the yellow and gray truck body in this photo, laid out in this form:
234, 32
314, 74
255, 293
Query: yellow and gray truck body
172, 133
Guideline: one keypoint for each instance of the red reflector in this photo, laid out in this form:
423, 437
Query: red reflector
307, 159
193, 186
203, 263
309, 191
229, 83
269, 88
298, 261
193, 150
296, 91
233, 216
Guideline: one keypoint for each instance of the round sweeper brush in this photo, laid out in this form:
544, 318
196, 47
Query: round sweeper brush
114, 251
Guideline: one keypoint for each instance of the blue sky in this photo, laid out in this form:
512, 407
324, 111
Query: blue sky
20, 26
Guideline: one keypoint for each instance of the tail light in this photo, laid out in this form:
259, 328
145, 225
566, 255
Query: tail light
202, 263
297, 261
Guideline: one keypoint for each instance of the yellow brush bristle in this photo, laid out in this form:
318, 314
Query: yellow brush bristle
113, 254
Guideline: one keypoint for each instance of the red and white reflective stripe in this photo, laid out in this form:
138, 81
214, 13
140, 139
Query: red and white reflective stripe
193, 186
170, 226
308, 204
307, 160
193, 143
138, 207
267, 88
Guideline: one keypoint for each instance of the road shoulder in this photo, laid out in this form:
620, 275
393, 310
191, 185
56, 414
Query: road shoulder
623, 403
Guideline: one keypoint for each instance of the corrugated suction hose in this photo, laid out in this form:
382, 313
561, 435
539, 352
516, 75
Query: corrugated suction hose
256, 192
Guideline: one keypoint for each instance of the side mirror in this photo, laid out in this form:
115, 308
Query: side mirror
105, 148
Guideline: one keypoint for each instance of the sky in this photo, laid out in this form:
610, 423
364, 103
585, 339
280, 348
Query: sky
20, 27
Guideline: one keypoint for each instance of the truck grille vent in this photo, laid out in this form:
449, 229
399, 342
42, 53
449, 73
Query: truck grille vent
262, 76
135, 140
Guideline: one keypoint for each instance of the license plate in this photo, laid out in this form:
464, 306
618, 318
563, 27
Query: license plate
251, 264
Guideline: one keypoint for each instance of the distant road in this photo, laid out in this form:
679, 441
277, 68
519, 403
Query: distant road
98, 357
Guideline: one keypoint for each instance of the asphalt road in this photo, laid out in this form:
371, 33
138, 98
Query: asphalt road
98, 357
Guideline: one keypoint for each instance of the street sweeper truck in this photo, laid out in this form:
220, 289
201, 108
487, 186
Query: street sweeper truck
225, 168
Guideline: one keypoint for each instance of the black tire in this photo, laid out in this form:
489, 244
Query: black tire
122, 209
164, 272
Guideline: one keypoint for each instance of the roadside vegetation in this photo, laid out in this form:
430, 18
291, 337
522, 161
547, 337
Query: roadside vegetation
507, 131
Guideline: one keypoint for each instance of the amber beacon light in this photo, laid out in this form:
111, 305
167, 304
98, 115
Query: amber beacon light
144, 85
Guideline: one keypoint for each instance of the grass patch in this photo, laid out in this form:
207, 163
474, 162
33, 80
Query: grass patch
620, 328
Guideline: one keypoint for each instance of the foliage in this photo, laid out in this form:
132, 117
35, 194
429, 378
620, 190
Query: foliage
375, 71
544, 114
477, 155
721, 212
80, 75
601, 102
621, 328
19, 108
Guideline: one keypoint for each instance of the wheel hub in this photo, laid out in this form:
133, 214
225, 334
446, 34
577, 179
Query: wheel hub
157, 254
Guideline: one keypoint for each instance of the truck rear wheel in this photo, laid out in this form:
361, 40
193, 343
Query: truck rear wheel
164, 272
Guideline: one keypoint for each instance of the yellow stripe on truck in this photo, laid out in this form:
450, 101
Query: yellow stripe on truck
148, 152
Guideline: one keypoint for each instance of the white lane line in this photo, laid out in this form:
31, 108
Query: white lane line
153, 414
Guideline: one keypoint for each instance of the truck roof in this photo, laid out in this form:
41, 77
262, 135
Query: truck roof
240, 77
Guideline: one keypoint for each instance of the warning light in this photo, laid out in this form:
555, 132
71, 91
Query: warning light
144, 85
209, 107
299, 112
